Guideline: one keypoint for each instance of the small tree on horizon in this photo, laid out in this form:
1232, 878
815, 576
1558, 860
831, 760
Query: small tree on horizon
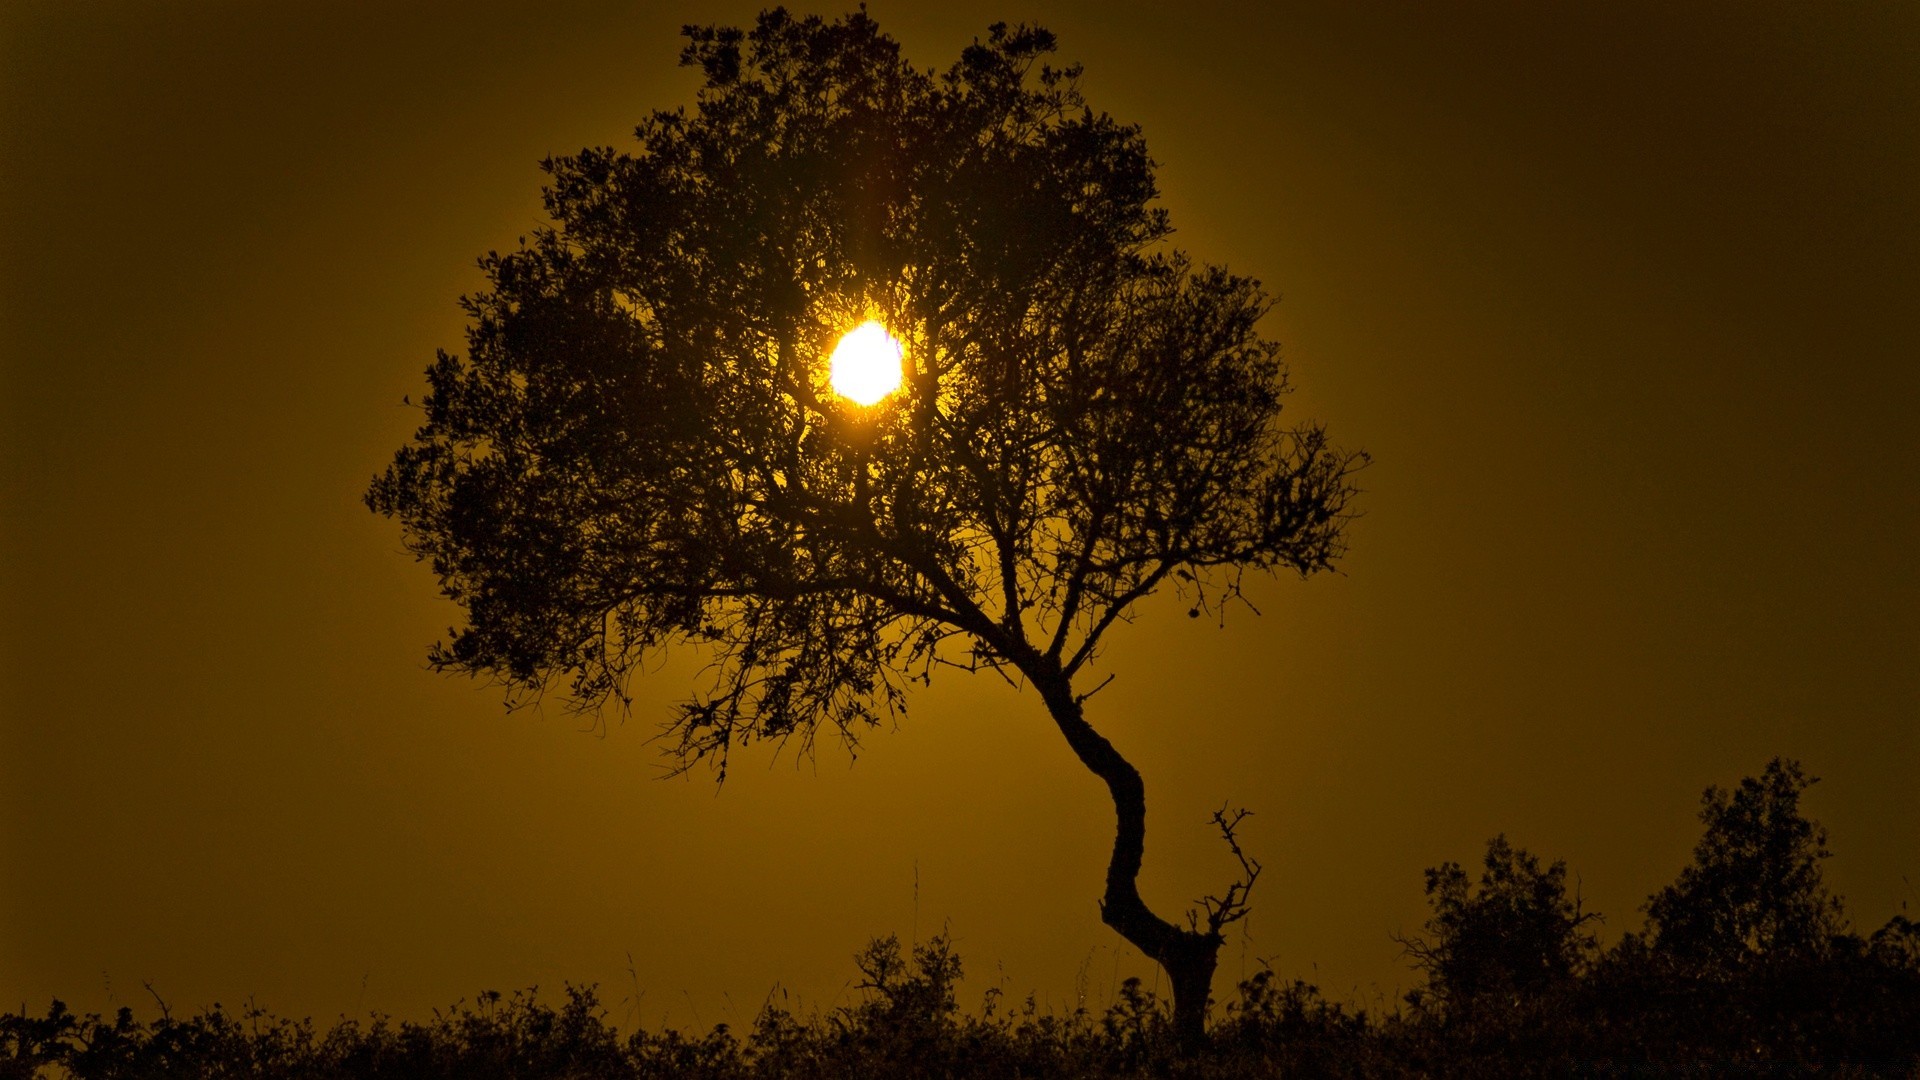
1516, 934
1754, 891
640, 448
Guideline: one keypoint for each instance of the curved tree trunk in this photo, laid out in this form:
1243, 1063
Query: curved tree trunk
1188, 956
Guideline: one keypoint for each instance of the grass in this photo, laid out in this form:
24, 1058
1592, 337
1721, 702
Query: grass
1847, 1018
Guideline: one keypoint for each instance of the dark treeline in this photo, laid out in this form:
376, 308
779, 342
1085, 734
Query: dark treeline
1746, 963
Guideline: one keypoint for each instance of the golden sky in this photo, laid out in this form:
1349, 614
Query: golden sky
1619, 296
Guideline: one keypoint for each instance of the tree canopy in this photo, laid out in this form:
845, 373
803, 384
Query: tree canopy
638, 445
1754, 890
1517, 934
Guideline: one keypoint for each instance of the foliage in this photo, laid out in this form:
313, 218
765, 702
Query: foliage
1745, 960
1516, 935
1747, 954
639, 446
1753, 892
909, 1025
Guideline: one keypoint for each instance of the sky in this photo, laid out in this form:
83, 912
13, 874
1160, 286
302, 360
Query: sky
1618, 296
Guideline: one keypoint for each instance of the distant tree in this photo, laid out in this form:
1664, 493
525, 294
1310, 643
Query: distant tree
1515, 935
1754, 890
640, 446
1747, 957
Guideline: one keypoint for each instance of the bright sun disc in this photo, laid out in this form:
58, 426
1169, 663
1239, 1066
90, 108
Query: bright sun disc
865, 366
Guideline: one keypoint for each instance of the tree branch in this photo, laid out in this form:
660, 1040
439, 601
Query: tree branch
1231, 907
1114, 610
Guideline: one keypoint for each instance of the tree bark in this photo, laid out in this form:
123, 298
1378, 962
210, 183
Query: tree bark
1187, 956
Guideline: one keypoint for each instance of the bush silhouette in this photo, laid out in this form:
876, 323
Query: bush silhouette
1516, 935
1746, 956
1754, 892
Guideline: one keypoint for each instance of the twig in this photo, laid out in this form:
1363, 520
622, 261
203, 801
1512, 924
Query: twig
1230, 908
165, 1013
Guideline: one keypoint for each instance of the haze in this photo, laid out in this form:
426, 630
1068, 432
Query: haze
1618, 296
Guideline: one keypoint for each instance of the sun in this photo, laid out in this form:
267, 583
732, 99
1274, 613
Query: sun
865, 366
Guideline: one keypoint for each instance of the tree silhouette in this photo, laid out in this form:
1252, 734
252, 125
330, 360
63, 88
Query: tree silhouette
1517, 935
1754, 890
640, 448
1747, 955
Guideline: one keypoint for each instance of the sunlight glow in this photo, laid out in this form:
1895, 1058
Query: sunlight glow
865, 366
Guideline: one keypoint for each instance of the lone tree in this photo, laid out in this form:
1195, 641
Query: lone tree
641, 446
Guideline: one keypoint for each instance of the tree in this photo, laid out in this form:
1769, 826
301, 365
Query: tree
639, 447
1754, 890
1746, 956
1516, 936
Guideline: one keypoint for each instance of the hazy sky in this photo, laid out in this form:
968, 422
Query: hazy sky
1620, 297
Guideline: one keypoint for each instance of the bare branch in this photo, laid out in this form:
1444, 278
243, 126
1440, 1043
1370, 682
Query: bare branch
1231, 906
